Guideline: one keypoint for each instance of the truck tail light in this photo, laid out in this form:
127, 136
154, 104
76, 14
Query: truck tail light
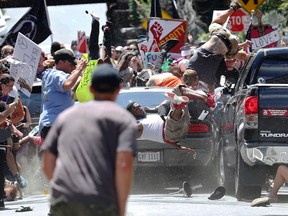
198, 128
251, 105
251, 111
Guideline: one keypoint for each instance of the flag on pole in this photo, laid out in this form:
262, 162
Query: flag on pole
34, 25
248, 37
155, 9
175, 14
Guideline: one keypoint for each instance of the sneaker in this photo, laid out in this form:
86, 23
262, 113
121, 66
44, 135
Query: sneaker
235, 5
169, 44
187, 189
263, 201
218, 193
177, 101
21, 181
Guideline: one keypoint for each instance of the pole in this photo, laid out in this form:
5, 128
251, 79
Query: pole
48, 18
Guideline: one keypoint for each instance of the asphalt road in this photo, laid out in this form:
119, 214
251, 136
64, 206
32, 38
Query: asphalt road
164, 204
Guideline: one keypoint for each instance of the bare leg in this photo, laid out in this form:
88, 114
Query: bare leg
234, 6
11, 162
223, 17
280, 178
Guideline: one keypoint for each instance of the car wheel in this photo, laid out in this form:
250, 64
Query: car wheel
244, 173
225, 174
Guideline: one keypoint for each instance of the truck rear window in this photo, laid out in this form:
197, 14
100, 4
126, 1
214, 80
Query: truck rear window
273, 71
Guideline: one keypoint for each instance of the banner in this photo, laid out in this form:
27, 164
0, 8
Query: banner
159, 31
262, 35
34, 25
83, 90
23, 66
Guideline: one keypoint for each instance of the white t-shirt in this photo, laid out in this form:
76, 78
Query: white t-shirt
152, 128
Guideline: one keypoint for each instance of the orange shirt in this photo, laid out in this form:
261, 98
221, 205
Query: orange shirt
171, 81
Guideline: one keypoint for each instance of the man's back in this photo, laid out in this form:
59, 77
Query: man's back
86, 139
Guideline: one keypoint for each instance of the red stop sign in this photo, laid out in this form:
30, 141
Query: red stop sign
236, 21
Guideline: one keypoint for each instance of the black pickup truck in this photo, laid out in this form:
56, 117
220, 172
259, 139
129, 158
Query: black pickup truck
254, 126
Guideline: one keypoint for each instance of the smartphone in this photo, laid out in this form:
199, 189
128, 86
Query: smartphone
10, 100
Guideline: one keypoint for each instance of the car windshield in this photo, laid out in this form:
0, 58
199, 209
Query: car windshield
150, 99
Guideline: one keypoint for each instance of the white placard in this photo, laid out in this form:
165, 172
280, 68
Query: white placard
27, 55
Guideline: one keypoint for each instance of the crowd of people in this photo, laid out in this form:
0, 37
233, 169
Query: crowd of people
107, 166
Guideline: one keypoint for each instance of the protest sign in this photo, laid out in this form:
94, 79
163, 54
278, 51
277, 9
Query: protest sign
262, 35
159, 31
25, 62
83, 90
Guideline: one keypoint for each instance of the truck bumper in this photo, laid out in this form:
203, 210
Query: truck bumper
265, 155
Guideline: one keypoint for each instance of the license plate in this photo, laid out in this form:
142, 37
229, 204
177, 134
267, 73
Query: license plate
149, 157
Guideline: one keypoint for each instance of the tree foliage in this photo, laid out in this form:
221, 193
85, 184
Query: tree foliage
140, 10
280, 6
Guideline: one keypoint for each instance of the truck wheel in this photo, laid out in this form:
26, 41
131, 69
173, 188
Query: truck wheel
244, 188
225, 174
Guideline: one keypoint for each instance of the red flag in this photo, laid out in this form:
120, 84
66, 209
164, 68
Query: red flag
82, 42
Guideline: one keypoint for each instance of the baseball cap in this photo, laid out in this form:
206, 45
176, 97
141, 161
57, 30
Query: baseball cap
105, 78
65, 54
120, 48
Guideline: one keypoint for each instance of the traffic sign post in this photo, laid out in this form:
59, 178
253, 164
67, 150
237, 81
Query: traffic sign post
250, 5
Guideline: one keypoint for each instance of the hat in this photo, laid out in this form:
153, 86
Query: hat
55, 46
105, 78
231, 41
120, 48
65, 54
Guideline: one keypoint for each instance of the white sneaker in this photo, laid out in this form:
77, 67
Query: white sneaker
175, 98
262, 201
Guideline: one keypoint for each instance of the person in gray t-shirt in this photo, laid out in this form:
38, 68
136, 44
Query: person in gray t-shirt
88, 153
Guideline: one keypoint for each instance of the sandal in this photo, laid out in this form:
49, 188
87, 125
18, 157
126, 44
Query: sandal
24, 209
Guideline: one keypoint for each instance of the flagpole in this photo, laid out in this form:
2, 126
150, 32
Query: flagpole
48, 19
155, 11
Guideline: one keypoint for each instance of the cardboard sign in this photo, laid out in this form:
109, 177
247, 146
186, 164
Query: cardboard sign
268, 39
83, 91
159, 31
24, 67
151, 57
262, 35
